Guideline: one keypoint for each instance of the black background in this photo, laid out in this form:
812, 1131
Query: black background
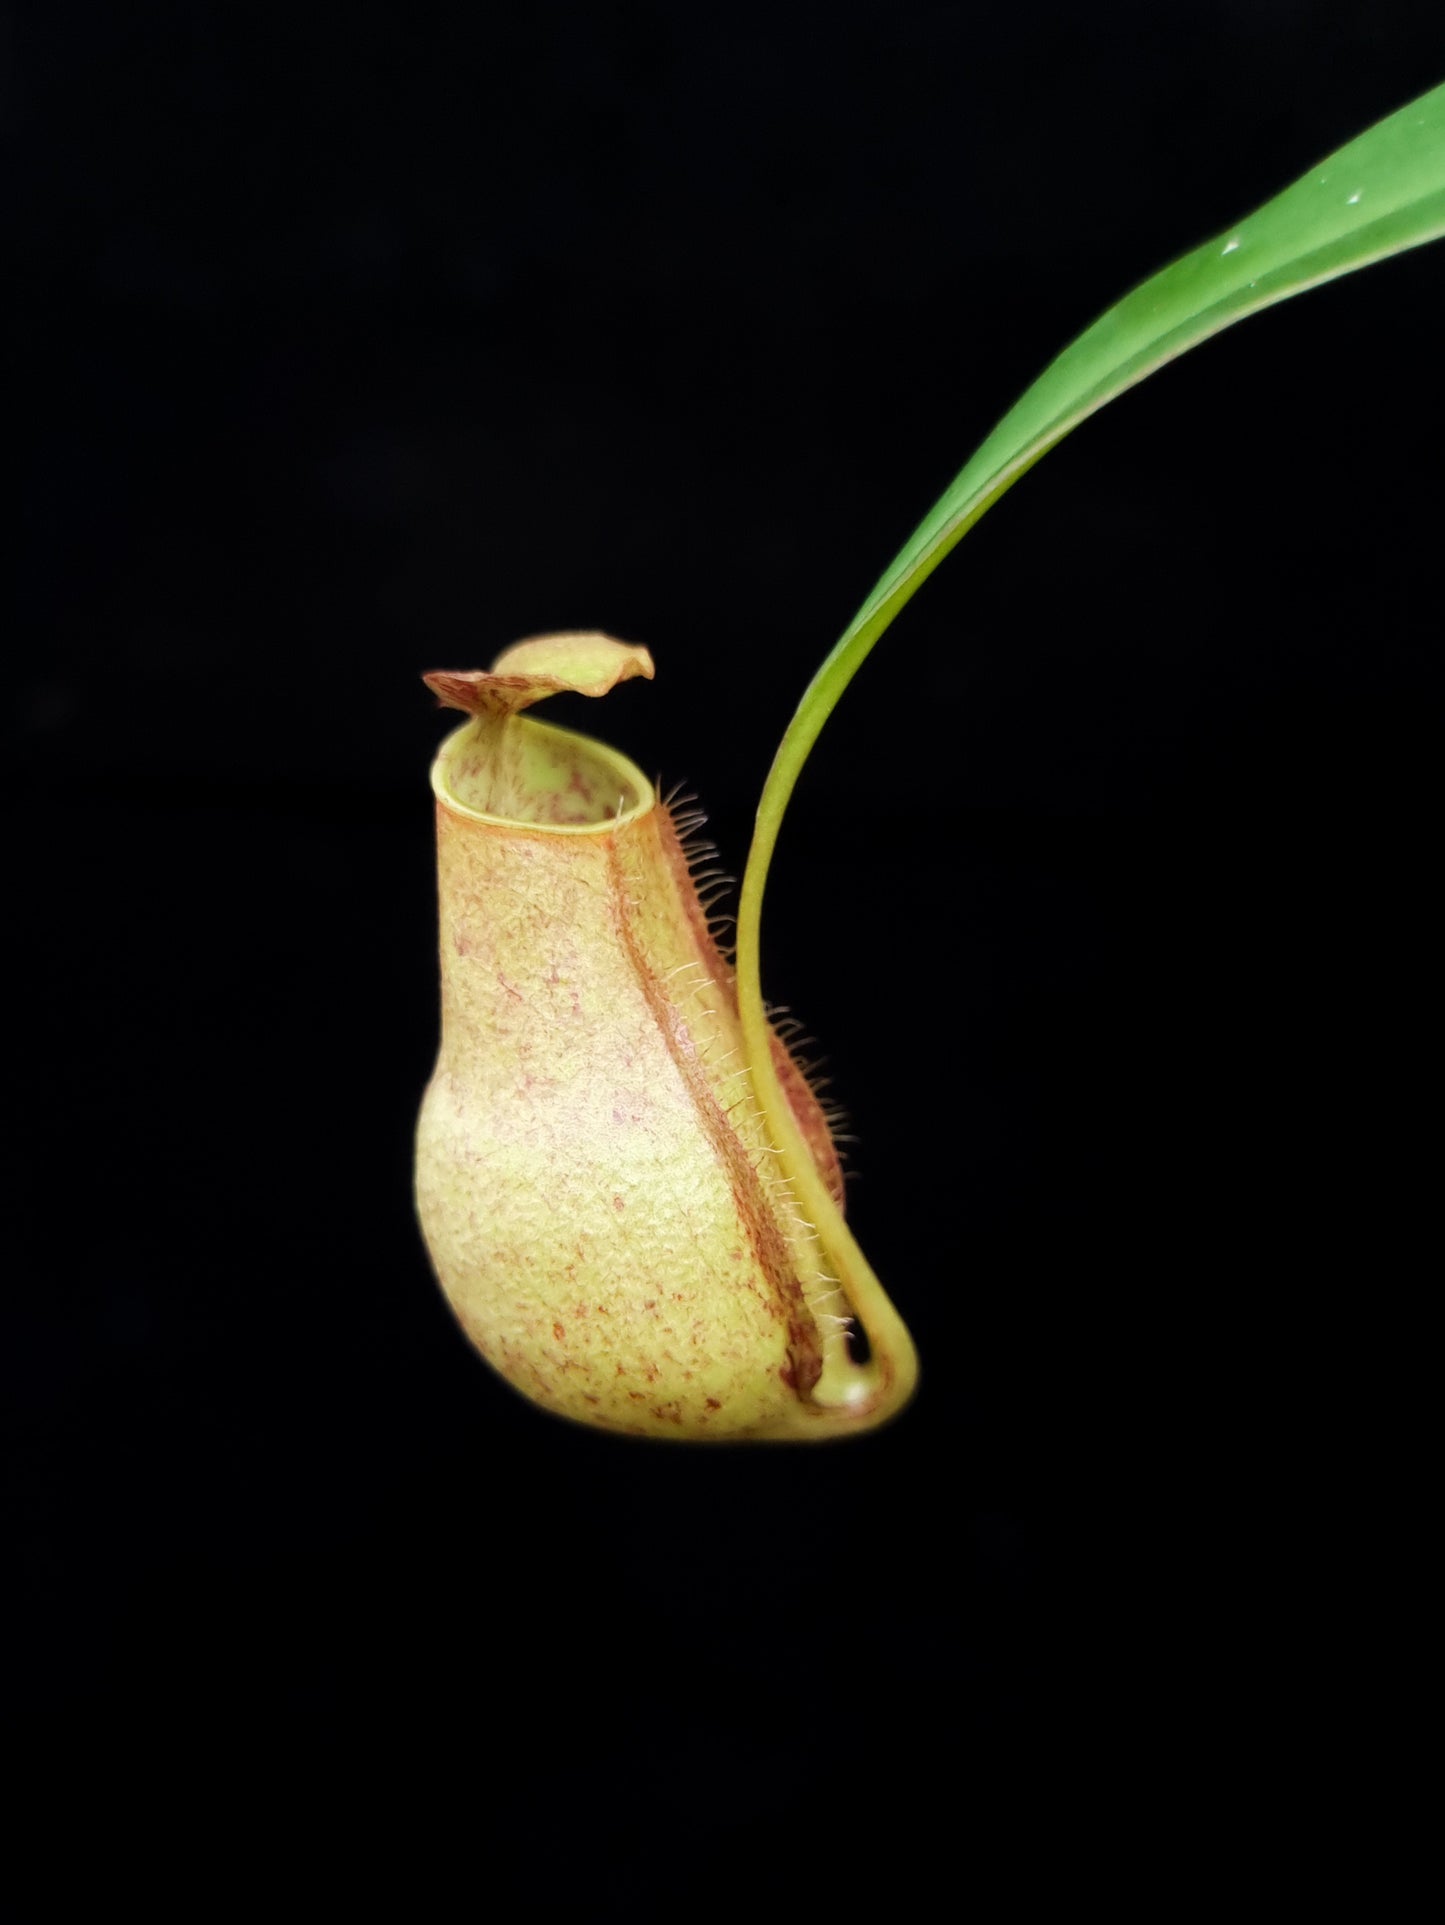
359, 340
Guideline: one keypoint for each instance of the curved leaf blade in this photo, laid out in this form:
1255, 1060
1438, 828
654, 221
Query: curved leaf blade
1378, 195
1382, 193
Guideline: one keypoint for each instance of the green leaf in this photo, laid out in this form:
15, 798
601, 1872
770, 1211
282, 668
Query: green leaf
1382, 193
1379, 195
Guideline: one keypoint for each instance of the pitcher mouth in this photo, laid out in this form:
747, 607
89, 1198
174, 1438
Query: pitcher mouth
548, 779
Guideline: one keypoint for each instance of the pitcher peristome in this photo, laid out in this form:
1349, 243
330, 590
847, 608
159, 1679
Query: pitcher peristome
610, 1216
